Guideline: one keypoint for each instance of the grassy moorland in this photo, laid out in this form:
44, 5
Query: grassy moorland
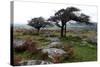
84, 49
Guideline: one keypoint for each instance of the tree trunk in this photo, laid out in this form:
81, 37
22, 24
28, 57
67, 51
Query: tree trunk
62, 30
65, 30
38, 30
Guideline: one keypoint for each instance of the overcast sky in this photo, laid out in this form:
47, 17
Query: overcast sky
24, 11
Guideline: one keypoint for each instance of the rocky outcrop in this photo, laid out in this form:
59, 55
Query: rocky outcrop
56, 55
27, 45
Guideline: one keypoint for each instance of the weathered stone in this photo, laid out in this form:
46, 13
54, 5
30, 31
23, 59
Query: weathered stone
55, 44
27, 45
52, 51
34, 62
19, 46
56, 55
83, 43
17, 43
54, 39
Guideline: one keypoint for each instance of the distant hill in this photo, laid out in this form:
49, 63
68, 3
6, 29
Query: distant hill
92, 26
71, 26
22, 26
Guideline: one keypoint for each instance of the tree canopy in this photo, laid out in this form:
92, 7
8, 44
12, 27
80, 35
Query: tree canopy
65, 15
39, 22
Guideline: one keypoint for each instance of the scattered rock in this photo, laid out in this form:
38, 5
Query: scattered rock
52, 51
55, 45
27, 45
83, 43
56, 55
19, 45
54, 39
34, 62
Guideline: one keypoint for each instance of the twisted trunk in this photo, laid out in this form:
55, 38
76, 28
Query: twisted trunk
62, 30
65, 30
38, 30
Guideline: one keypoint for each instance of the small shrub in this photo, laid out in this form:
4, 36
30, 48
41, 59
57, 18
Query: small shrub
43, 56
69, 51
31, 46
57, 58
66, 48
20, 48
17, 59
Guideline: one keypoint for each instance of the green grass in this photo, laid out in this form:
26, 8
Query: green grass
82, 53
24, 55
85, 53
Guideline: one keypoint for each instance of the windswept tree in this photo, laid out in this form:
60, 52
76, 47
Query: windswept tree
38, 23
65, 15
